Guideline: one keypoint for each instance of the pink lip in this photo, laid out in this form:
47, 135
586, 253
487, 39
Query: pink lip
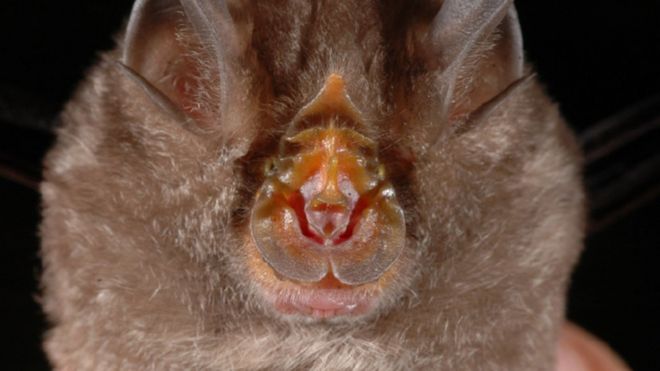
324, 303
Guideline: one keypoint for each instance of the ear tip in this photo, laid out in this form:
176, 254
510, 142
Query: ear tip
459, 25
514, 34
139, 21
135, 19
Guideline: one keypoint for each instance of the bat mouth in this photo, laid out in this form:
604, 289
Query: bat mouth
324, 303
326, 300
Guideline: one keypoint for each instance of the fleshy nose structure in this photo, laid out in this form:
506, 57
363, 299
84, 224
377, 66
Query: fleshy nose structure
326, 207
330, 198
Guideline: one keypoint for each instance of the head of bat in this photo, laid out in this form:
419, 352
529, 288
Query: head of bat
310, 185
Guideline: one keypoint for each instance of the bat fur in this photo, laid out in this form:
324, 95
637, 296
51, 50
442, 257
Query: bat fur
157, 162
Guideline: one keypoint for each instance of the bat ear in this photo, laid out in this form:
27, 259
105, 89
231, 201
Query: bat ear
477, 46
184, 55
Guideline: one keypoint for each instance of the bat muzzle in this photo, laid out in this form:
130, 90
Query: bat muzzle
326, 207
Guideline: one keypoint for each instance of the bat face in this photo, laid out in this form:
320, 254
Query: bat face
360, 184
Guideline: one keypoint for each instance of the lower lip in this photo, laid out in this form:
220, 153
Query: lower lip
324, 303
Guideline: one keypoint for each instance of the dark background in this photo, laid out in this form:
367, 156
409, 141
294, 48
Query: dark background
599, 60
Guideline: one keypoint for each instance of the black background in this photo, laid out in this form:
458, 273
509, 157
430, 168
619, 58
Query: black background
597, 58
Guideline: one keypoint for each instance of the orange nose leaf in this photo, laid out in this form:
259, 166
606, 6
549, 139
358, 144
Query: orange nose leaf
329, 204
331, 194
332, 99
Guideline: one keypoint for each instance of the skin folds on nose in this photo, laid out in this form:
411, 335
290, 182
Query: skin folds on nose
327, 207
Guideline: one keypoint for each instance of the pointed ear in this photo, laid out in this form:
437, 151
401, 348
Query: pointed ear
181, 53
477, 46
150, 33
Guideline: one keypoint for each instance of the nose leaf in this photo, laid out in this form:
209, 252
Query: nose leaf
329, 208
328, 211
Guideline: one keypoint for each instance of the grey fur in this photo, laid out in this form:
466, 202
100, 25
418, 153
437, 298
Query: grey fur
144, 231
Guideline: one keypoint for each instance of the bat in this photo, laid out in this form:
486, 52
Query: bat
310, 185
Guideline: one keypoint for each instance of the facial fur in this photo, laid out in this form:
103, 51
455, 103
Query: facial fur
148, 259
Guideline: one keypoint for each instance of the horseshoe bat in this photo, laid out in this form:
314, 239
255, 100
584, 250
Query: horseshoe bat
310, 185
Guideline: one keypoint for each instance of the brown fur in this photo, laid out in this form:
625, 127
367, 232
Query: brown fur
146, 265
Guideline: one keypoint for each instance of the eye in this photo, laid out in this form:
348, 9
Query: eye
270, 167
366, 151
290, 148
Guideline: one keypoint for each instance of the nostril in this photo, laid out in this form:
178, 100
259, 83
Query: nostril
328, 202
328, 220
